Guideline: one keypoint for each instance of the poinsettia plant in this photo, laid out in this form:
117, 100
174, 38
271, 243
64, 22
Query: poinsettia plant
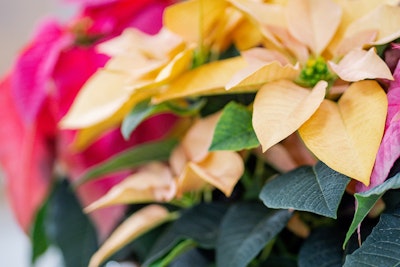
209, 133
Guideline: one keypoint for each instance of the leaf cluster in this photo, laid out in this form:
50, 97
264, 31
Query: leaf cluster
253, 227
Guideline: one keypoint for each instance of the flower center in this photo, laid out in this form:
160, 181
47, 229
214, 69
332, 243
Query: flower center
314, 71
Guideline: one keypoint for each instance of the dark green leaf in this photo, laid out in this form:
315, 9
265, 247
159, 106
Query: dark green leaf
69, 228
138, 114
232, 51
234, 130
279, 261
192, 258
218, 102
180, 248
40, 242
322, 248
317, 189
129, 159
144, 110
199, 223
382, 246
187, 109
367, 200
245, 230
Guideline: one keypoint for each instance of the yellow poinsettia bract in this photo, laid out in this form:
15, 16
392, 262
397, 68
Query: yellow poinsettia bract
314, 25
281, 107
346, 135
152, 182
137, 224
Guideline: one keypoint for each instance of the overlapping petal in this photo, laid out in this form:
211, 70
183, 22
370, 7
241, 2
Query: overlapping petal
360, 65
194, 83
281, 107
134, 226
195, 167
264, 66
385, 19
152, 182
346, 135
197, 25
313, 22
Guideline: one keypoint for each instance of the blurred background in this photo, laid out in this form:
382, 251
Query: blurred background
17, 21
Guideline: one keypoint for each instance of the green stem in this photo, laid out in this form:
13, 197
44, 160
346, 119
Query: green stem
179, 249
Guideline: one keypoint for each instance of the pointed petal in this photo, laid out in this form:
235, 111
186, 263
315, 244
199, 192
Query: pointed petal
357, 40
385, 19
221, 169
199, 137
152, 182
178, 160
194, 83
346, 135
135, 41
251, 78
280, 108
189, 180
198, 16
360, 64
352, 11
258, 55
180, 63
136, 225
246, 35
96, 102
265, 15
223, 33
264, 66
297, 48
88, 135
313, 22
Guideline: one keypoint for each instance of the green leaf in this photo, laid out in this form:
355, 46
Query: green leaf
317, 189
218, 102
234, 130
71, 229
367, 200
192, 258
382, 246
180, 248
40, 242
138, 114
199, 224
144, 110
245, 230
129, 159
322, 248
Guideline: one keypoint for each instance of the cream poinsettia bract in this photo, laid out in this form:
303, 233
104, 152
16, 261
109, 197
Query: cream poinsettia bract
298, 53
192, 168
140, 64
329, 45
